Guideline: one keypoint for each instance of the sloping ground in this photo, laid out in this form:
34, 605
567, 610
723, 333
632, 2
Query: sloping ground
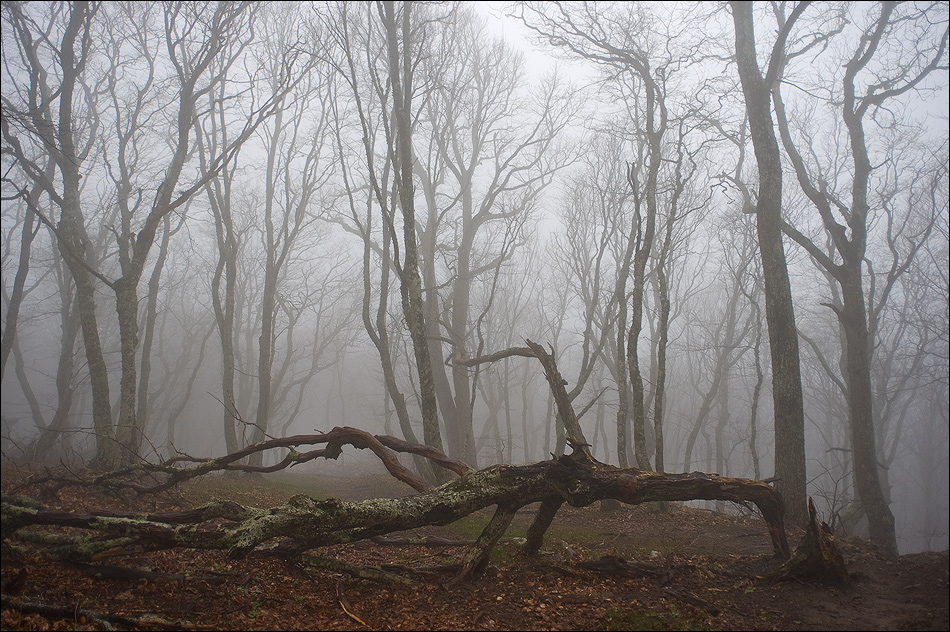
682, 569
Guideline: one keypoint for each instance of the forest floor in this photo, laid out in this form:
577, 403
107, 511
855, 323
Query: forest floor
687, 569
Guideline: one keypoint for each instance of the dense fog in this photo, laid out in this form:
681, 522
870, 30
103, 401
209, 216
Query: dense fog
224, 222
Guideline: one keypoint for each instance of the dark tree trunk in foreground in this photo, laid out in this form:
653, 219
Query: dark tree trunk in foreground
304, 523
867, 84
779, 309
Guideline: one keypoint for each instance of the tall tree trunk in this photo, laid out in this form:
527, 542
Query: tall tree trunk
75, 247
433, 316
128, 432
151, 316
27, 234
779, 310
847, 231
65, 393
461, 303
756, 392
655, 109
867, 481
224, 318
401, 70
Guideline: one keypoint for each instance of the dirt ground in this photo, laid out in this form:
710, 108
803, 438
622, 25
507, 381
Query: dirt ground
682, 569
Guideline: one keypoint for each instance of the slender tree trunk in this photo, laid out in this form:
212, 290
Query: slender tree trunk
638, 405
65, 393
756, 392
722, 422
151, 316
623, 393
461, 294
106, 447
433, 317
663, 327
526, 408
224, 319
75, 248
411, 282
506, 405
867, 480
128, 433
27, 233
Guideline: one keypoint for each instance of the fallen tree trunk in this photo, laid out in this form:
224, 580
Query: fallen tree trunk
304, 523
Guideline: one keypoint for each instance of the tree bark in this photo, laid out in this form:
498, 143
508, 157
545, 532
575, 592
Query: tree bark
779, 309
846, 228
400, 78
577, 479
817, 557
309, 523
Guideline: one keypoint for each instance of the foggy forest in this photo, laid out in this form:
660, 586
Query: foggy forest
229, 223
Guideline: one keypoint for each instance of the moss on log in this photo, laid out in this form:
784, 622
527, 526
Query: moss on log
575, 479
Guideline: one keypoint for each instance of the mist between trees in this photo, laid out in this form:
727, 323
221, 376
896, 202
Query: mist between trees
235, 221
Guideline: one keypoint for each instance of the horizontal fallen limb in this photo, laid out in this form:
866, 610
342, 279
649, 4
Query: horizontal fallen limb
309, 523
150, 478
304, 523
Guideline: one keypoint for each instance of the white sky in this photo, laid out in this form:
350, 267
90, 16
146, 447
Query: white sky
539, 60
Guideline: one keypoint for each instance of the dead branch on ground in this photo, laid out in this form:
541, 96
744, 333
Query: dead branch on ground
304, 523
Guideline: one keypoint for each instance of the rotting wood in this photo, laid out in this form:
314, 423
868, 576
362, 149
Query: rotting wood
816, 558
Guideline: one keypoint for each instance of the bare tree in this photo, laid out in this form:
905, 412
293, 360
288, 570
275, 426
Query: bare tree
595, 218
41, 122
194, 40
864, 88
195, 43
779, 310
378, 49
621, 42
296, 142
493, 148
682, 202
228, 236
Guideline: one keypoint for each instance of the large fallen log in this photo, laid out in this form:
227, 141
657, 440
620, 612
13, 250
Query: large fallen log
304, 523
